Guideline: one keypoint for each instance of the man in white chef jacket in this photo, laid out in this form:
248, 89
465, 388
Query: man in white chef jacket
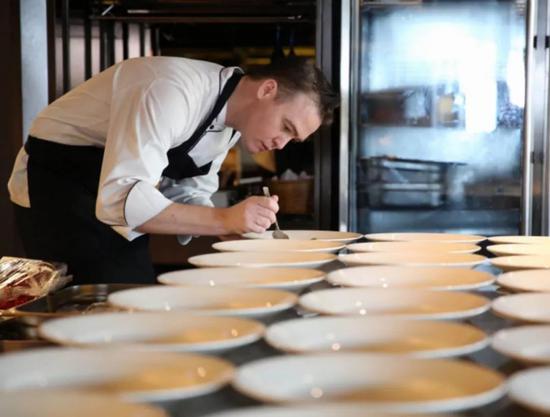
103, 163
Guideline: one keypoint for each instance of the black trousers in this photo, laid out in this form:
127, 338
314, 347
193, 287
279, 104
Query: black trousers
61, 224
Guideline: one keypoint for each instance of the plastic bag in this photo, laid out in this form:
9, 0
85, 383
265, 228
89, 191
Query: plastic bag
23, 280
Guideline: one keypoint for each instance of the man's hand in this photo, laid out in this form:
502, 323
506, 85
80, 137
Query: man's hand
255, 214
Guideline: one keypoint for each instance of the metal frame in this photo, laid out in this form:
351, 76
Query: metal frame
345, 114
534, 194
545, 138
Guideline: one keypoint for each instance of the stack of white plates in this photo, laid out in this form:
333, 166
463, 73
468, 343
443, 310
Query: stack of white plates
530, 389
176, 332
521, 239
528, 307
406, 277
520, 249
530, 344
325, 410
533, 280
326, 235
262, 259
289, 279
518, 262
391, 335
379, 382
425, 237
415, 259
133, 375
66, 403
412, 246
220, 301
406, 303
278, 245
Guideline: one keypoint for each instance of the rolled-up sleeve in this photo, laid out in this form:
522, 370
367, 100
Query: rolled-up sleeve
144, 120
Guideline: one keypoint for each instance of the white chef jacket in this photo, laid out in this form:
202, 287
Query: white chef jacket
138, 110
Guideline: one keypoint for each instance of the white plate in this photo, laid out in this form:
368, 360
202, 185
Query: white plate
406, 303
520, 239
533, 280
384, 383
177, 332
528, 307
278, 245
327, 235
388, 335
263, 259
291, 279
529, 344
406, 277
222, 301
520, 249
428, 247
530, 388
134, 375
325, 410
518, 262
449, 260
425, 237
61, 403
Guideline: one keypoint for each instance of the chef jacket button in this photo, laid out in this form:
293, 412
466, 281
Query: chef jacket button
211, 126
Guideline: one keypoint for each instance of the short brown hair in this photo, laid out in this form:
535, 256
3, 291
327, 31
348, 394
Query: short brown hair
299, 74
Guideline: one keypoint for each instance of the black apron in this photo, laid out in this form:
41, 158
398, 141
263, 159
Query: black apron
61, 224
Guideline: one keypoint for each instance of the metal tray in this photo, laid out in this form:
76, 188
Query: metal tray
20, 332
74, 299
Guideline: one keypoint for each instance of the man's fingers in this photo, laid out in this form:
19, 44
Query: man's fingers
267, 214
269, 203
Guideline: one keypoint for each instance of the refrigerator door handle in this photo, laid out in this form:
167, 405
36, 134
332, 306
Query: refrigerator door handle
528, 130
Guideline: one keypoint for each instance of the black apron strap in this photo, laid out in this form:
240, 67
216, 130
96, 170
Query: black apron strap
178, 156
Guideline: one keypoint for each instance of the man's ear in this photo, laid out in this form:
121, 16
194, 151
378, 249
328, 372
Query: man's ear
267, 89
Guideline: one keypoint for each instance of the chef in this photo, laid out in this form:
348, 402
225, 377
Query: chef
136, 150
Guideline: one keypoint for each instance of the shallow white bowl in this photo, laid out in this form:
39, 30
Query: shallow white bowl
263, 259
428, 247
290, 279
442, 259
406, 277
520, 249
520, 239
529, 344
327, 235
388, 335
530, 388
278, 245
66, 403
383, 383
424, 237
175, 331
406, 303
531, 280
134, 375
519, 262
324, 410
222, 301
528, 307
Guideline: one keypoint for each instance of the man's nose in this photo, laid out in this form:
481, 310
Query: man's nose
281, 141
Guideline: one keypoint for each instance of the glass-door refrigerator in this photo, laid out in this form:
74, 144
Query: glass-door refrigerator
443, 116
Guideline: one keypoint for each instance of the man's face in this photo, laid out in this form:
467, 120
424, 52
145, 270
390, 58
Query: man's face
272, 122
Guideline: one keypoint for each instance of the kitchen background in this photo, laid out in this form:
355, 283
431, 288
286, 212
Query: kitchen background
442, 125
